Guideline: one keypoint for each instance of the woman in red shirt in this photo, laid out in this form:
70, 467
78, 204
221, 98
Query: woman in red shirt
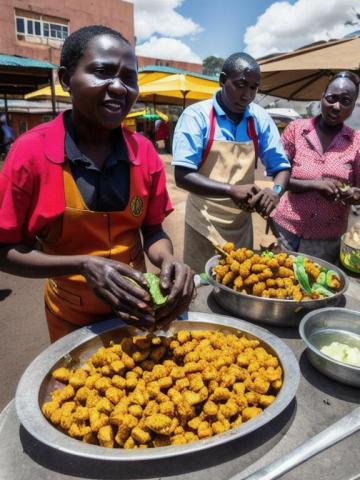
325, 177
78, 193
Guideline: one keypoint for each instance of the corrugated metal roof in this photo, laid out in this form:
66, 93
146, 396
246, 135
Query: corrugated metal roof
23, 62
157, 68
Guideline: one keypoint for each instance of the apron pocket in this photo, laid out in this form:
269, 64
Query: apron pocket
65, 295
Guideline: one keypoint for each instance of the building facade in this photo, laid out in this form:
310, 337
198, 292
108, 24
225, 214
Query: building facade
191, 67
38, 28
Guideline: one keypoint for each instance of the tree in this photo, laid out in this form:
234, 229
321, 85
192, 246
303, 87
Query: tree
212, 65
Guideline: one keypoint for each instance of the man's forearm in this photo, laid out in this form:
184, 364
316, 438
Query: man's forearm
282, 179
196, 183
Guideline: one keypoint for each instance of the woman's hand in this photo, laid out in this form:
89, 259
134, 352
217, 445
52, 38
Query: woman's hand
112, 282
351, 196
177, 280
264, 201
328, 188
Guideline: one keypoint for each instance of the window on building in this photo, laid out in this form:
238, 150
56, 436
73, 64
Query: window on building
20, 25
41, 29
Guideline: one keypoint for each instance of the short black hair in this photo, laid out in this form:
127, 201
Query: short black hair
350, 76
239, 61
76, 43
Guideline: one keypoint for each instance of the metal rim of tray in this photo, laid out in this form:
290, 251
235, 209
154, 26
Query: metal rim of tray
309, 303
31, 417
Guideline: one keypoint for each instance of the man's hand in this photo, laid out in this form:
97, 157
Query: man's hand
265, 201
241, 194
121, 287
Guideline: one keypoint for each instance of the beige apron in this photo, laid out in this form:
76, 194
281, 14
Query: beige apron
232, 163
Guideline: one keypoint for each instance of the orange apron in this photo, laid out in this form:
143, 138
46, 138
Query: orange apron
70, 302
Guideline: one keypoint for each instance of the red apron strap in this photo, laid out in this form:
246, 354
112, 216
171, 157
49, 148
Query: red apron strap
251, 130
211, 137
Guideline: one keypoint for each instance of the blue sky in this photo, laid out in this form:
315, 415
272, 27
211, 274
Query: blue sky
224, 23
191, 30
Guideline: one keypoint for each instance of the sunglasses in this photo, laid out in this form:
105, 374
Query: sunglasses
344, 101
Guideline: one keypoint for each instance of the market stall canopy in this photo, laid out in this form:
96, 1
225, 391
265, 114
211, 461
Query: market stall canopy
304, 73
45, 93
21, 75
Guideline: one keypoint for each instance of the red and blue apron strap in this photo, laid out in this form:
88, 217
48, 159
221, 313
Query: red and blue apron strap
211, 137
251, 130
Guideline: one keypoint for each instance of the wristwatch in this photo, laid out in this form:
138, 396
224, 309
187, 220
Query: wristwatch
277, 188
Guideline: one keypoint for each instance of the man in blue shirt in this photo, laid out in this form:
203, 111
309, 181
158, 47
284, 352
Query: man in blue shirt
215, 149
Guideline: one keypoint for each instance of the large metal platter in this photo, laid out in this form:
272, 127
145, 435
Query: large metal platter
72, 351
280, 313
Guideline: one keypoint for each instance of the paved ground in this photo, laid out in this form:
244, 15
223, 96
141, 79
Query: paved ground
22, 321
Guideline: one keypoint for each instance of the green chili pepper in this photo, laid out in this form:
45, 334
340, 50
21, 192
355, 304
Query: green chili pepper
301, 275
331, 275
154, 289
321, 279
267, 254
322, 290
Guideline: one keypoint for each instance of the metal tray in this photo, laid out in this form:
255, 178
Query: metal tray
271, 311
36, 384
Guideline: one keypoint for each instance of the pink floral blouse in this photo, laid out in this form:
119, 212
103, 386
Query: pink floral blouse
310, 215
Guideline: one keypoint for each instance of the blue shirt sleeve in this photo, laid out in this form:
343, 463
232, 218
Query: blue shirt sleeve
271, 151
189, 140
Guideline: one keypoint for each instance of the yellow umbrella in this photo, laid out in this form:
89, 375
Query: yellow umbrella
178, 88
143, 112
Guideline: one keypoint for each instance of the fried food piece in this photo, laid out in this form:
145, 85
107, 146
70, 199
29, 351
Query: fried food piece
258, 288
228, 247
159, 423
250, 412
62, 374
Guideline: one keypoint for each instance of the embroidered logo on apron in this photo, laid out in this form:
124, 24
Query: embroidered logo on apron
137, 206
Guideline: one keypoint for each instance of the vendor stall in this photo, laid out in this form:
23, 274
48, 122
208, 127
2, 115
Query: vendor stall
319, 402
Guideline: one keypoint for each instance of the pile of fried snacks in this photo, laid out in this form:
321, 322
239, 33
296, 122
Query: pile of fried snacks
270, 275
150, 391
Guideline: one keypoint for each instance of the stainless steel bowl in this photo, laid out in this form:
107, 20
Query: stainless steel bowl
281, 313
71, 351
328, 325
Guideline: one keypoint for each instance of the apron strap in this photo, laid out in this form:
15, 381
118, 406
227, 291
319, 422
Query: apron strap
211, 137
251, 130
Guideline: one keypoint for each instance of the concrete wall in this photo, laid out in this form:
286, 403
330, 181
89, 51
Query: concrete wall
116, 14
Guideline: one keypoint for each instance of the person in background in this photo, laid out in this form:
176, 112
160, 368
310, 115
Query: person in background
325, 177
162, 133
215, 148
78, 193
7, 136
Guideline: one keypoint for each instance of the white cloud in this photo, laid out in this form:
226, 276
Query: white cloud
159, 16
283, 27
168, 49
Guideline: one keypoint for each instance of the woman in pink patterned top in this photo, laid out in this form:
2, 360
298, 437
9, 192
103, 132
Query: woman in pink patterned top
325, 157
